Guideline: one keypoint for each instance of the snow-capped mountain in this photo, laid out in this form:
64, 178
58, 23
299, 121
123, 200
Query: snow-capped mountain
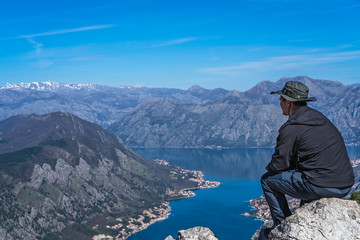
48, 86
197, 117
100, 104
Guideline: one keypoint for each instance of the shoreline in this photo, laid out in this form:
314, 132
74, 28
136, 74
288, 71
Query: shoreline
135, 225
128, 228
260, 209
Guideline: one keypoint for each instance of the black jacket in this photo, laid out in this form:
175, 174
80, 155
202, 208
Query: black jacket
309, 142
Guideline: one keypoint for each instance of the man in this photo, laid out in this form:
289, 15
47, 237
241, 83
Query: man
310, 159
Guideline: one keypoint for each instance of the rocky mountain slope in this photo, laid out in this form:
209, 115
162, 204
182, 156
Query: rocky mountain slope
62, 177
247, 119
229, 123
96, 103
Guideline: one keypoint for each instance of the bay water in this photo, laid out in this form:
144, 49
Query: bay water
220, 209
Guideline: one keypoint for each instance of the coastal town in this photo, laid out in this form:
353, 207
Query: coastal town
179, 174
356, 167
128, 227
261, 209
131, 226
355, 162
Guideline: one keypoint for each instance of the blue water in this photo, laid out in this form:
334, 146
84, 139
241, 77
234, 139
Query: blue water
239, 171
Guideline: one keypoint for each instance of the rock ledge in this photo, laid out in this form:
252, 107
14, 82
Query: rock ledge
327, 218
196, 233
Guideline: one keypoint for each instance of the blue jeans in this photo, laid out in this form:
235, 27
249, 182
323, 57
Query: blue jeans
292, 183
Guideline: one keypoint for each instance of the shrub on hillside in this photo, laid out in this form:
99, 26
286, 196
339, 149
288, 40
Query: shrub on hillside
355, 196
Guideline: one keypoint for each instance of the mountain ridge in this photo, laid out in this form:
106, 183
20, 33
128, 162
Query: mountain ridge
238, 119
109, 107
96, 103
67, 178
47, 86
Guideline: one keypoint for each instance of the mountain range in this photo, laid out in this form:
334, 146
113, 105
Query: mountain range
175, 118
238, 119
100, 104
62, 177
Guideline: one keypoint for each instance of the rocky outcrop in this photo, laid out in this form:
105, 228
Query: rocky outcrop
196, 233
325, 219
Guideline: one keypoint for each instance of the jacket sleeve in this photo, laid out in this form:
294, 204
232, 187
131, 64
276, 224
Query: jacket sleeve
284, 157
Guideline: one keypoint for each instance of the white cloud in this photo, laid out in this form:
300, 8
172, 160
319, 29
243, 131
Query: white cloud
37, 46
64, 31
284, 62
332, 49
176, 41
43, 63
58, 52
82, 59
46, 57
215, 58
343, 8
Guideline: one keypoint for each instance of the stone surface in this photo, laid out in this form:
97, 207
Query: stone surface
327, 218
196, 233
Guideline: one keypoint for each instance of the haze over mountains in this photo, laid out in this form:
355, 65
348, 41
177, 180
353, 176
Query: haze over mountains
153, 117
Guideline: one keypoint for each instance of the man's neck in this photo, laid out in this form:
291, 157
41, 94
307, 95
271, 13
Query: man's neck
293, 109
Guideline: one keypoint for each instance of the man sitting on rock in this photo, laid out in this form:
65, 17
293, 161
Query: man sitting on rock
310, 159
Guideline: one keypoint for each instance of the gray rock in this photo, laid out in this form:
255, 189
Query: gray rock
327, 218
259, 234
196, 233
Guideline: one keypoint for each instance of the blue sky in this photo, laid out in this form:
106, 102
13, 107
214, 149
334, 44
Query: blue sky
177, 44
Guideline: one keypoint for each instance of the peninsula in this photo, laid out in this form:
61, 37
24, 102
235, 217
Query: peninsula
127, 227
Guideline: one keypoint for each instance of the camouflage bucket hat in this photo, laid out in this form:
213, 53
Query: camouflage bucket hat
295, 92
